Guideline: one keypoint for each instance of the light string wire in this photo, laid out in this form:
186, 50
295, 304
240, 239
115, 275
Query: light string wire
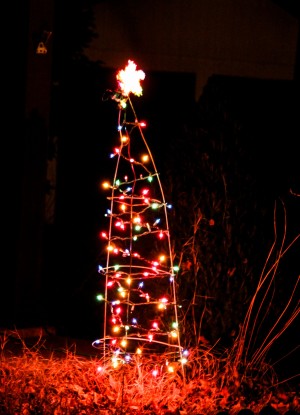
106, 337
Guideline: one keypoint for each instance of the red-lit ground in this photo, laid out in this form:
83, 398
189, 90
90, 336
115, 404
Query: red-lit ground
55, 375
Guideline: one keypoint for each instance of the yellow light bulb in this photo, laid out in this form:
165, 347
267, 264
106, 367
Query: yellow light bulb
170, 369
106, 185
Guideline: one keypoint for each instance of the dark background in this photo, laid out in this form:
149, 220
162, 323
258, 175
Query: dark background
55, 113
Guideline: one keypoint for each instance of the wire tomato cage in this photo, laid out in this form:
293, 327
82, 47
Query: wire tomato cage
140, 305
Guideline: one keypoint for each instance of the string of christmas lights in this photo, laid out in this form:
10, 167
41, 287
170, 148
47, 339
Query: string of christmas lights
140, 306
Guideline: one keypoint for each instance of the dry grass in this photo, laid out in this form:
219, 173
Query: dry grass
36, 382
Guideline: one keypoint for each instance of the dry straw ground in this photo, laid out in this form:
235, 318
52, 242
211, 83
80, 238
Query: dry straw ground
37, 380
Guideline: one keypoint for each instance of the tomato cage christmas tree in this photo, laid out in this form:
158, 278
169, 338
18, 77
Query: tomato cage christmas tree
140, 305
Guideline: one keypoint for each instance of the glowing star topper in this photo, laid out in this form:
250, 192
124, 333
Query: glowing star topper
129, 79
